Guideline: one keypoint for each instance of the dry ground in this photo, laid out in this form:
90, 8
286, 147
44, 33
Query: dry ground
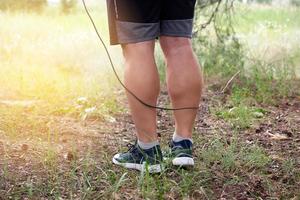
38, 159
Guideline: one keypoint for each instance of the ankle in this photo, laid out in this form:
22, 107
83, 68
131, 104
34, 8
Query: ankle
147, 145
178, 137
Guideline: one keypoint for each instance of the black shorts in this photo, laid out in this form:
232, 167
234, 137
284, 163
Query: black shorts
132, 21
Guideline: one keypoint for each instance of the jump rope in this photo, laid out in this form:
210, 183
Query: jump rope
116, 74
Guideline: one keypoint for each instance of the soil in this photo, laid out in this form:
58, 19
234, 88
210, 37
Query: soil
278, 133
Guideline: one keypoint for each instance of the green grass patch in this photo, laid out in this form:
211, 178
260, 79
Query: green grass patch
247, 18
233, 157
240, 117
255, 157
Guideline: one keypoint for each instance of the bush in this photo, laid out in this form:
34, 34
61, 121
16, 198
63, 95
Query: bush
222, 56
220, 52
68, 6
295, 3
26, 5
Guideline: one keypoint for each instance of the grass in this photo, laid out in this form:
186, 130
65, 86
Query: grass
59, 146
249, 17
241, 110
57, 62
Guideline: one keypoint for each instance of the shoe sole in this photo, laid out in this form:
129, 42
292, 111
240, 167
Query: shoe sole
141, 167
183, 161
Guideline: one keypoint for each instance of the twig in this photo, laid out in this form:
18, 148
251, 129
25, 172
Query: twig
227, 84
203, 192
203, 26
206, 4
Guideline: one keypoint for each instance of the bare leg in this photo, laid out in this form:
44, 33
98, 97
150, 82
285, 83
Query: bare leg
184, 81
141, 77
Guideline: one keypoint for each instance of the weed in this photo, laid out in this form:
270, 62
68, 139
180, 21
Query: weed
291, 171
288, 166
213, 153
220, 153
241, 96
230, 157
120, 182
5, 174
50, 160
255, 157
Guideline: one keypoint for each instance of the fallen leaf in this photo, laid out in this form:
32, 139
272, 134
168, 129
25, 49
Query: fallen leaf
277, 136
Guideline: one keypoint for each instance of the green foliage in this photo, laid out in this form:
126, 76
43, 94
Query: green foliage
25, 5
241, 96
295, 3
222, 59
220, 52
222, 55
271, 81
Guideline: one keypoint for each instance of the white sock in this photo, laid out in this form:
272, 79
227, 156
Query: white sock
178, 138
147, 145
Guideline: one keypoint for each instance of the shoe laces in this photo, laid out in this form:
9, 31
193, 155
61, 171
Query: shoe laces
132, 147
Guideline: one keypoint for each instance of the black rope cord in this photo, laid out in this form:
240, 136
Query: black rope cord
116, 74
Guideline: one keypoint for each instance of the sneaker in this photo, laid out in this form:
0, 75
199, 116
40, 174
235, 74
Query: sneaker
140, 159
181, 153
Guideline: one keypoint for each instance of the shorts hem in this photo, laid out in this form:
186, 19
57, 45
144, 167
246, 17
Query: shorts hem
136, 40
132, 32
186, 35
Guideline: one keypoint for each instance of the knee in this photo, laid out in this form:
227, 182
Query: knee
138, 51
176, 47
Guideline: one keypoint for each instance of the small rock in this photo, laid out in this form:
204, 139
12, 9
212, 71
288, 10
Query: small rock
70, 156
64, 140
24, 147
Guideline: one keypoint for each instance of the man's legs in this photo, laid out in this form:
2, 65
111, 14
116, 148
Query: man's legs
132, 22
141, 77
184, 81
